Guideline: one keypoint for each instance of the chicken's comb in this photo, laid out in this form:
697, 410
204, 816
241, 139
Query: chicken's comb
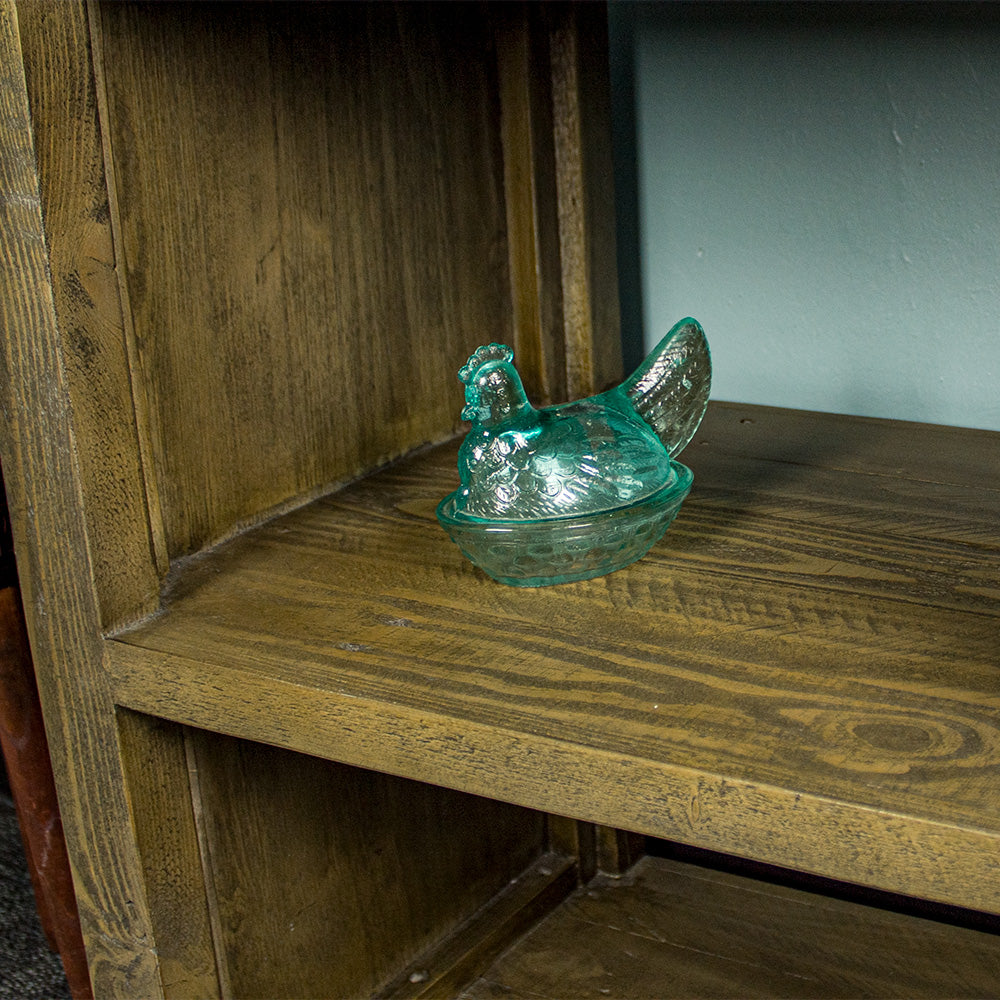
491, 352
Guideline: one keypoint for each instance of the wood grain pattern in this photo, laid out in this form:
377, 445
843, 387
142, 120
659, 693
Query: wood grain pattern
313, 229
533, 894
531, 198
581, 101
904, 853
736, 689
313, 232
672, 930
308, 228
43, 487
54, 40
556, 126
163, 816
330, 879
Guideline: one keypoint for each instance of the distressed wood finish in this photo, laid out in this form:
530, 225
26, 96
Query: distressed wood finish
305, 254
581, 100
309, 279
329, 879
77, 213
50, 533
164, 816
525, 83
272, 232
799, 673
670, 930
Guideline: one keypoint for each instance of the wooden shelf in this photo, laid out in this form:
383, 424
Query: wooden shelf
676, 930
803, 671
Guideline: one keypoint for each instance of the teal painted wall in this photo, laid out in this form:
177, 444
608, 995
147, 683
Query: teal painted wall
821, 188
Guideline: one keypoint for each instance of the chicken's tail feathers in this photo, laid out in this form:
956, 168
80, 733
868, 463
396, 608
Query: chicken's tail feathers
670, 388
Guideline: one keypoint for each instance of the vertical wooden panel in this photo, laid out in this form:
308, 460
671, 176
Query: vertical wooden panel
578, 839
556, 127
314, 236
525, 84
618, 850
330, 879
598, 848
46, 507
585, 183
163, 816
54, 39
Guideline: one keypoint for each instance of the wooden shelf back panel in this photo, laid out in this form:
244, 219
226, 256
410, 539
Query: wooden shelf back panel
312, 222
354, 860
804, 674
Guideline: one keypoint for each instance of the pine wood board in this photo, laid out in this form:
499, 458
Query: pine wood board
163, 818
892, 449
300, 253
581, 103
670, 930
781, 677
327, 880
44, 490
77, 210
267, 229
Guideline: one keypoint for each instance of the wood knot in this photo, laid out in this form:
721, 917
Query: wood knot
894, 742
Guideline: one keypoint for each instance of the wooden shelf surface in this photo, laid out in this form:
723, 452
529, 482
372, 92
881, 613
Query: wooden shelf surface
675, 930
805, 670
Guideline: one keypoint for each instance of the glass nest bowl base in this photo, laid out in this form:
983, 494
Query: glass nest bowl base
547, 551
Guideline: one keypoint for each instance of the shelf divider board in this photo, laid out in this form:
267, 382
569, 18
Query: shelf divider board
804, 671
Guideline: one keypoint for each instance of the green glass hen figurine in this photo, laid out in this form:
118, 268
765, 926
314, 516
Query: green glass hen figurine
577, 490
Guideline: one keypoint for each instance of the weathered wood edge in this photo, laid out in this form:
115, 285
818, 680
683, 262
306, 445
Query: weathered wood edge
581, 102
908, 854
552, 64
143, 415
74, 188
46, 506
166, 830
530, 201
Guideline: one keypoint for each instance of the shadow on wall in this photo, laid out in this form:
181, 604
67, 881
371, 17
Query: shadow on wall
621, 37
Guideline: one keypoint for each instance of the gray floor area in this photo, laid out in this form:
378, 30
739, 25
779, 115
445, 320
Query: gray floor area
28, 969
